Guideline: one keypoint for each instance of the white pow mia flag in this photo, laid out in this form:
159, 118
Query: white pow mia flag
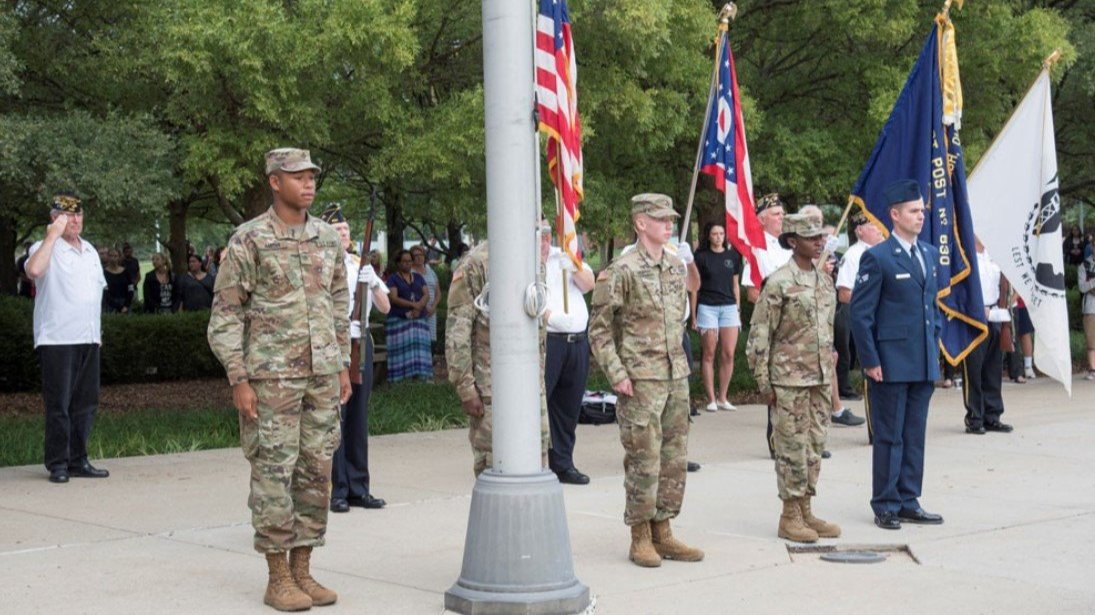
1017, 215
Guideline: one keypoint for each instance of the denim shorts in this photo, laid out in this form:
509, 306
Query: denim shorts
717, 316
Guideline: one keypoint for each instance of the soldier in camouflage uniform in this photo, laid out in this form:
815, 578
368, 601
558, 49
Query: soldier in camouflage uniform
467, 353
279, 327
635, 335
790, 353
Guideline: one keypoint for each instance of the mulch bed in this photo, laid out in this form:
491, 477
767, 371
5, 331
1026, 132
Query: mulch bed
178, 395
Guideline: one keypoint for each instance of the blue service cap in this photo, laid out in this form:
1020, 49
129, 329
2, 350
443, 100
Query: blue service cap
901, 191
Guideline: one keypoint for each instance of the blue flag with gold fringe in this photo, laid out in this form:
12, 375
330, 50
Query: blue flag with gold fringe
920, 141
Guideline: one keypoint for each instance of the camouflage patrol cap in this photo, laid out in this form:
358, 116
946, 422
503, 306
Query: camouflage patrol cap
813, 212
66, 202
332, 214
799, 225
654, 205
769, 201
290, 160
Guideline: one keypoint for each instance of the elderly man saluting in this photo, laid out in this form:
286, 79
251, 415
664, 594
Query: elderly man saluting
67, 335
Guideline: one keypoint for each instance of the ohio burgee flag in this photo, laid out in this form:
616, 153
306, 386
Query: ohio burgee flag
1017, 213
726, 158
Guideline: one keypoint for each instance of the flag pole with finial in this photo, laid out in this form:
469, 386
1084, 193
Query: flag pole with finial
728, 13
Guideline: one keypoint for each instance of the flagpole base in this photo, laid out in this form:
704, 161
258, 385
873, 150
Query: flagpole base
517, 556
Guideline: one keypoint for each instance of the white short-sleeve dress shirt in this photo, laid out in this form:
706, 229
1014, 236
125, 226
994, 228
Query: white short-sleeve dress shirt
68, 306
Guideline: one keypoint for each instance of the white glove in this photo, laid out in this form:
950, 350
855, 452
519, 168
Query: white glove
355, 328
831, 244
684, 252
368, 277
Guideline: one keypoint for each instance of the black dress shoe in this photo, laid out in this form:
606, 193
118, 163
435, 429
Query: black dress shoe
694, 412
887, 521
975, 429
60, 475
367, 502
572, 476
920, 516
86, 470
998, 426
826, 454
850, 395
693, 466
340, 505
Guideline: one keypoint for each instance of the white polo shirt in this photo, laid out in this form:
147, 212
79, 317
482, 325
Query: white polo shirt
989, 273
773, 257
69, 303
849, 265
575, 319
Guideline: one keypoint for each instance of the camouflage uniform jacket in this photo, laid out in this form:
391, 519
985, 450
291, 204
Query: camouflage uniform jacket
280, 303
467, 330
638, 318
791, 334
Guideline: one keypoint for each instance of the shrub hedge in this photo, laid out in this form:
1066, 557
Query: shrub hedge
136, 347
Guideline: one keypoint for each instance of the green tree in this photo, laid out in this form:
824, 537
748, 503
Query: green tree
120, 166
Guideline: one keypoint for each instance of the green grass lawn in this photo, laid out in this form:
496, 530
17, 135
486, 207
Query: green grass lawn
393, 409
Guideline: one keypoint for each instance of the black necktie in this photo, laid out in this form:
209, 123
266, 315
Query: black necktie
918, 267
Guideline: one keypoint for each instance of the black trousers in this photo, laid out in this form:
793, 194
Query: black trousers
566, 367
842, 339
983, 379
350, 465
70, 391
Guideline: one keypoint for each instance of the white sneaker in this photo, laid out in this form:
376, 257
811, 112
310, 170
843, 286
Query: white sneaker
1090, 375
726, 405
712, 407
1030, 373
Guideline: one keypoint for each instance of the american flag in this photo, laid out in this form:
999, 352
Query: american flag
557, 104
726, 158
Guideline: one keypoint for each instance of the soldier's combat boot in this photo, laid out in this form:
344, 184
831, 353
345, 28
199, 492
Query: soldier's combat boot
823, 528
298, 564
669, 547
642, 550
791, 525
282, 592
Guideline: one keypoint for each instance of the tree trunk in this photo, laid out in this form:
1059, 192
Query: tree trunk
255, 199
453, 229
393, 215
8, 278
176, 241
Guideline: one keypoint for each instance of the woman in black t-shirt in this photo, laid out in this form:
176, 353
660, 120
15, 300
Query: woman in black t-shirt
715, 311
195, 286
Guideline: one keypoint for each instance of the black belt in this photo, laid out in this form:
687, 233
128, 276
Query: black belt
569, 337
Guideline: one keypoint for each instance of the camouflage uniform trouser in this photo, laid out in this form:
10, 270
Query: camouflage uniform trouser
480, 432
800, 420
290, 448
654, 432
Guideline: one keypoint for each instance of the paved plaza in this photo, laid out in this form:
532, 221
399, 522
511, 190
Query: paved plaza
171, 533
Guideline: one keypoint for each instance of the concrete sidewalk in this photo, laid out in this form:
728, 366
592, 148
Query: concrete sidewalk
171, 533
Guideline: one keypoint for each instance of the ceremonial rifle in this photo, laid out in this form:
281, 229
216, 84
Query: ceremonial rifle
359, 294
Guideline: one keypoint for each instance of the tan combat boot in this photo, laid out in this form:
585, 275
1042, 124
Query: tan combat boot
669, 547
823, 528
298, 563
281, 592
791, 525
642, 550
